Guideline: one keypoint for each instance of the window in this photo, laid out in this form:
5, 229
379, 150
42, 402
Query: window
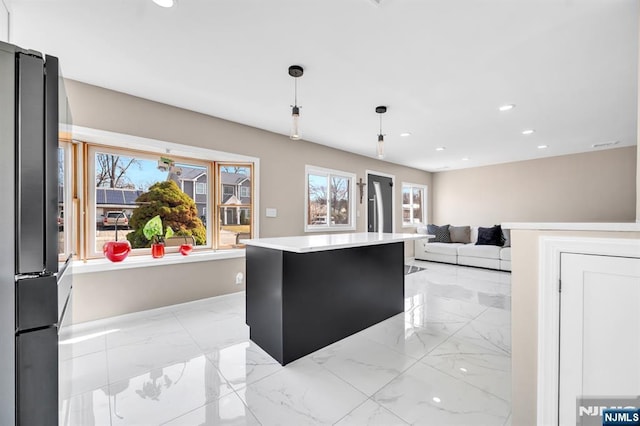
329, 200
414, 209
131, 187
201, 188
235, 214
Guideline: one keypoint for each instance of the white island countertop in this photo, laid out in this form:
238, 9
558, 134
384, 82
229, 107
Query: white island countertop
311, 243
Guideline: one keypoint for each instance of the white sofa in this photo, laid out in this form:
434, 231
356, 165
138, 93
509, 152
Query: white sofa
492, 257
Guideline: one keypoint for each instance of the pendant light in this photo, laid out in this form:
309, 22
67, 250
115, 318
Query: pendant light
295, 71
380, 148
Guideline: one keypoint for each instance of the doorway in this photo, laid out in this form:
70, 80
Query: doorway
379, 202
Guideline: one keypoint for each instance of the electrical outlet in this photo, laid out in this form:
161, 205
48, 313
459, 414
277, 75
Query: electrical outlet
239, 278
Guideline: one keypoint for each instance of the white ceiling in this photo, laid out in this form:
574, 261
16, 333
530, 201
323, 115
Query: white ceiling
443, 67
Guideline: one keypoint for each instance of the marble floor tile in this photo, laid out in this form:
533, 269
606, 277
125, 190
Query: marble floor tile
226, 411
219, 334
78, 341
491, 329
303, 393
364, 363
483, 368
508, 421
136, 358
371, 413
423, 395
89, 408
243, 363
421, 310
408, 339
82, 374
193, 364
137, 330
165, 393
208, 313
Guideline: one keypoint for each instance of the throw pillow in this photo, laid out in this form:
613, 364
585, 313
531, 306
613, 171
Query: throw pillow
441, 233
460, 234
490, 236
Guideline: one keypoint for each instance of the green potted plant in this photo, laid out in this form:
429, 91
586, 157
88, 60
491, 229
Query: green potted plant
153, 231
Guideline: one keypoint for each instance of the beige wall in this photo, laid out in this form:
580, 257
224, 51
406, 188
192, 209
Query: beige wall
282, 180
524, 320
590, 187
105, 294
282, 160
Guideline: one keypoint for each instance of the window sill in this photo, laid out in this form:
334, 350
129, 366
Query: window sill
103, 265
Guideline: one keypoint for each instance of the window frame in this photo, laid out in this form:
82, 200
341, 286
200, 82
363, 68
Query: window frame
68, 204
252, 206
328, 226
90, 206
200, 185
423, 203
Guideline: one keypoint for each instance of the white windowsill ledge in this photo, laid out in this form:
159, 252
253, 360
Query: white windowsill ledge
104, 265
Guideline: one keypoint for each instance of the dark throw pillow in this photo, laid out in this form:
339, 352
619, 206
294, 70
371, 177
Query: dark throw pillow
460, 234
441, 233
490, 236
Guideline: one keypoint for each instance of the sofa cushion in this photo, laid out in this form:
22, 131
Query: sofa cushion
490, 236
460, 234
486, 251
442, 248
505, 253
441, 233
506, 233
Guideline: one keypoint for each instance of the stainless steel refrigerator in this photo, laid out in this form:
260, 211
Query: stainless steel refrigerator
31, 302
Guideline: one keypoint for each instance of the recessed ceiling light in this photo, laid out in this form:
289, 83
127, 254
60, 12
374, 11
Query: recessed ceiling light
603, 144
543, 146
165, 3
464, 370
436, 399
465, 159
528, 132
405, 134
506, 107
440, 148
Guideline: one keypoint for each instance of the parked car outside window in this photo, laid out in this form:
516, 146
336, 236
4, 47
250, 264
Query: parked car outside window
110, 218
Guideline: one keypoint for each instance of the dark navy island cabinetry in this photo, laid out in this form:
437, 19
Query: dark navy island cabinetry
304, 293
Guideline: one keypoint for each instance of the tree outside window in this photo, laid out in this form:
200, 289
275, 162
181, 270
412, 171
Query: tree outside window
330, 199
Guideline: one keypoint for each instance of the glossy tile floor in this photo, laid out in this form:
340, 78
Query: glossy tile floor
445, 361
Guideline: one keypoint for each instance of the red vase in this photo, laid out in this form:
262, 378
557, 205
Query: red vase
157, 250
116, 251
185, 249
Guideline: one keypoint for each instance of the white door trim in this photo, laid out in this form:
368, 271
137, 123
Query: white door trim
368, 172
550, 249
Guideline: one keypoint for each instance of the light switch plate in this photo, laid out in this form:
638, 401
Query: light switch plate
272, 212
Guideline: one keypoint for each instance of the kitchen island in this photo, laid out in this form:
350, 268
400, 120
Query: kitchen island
304, 293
